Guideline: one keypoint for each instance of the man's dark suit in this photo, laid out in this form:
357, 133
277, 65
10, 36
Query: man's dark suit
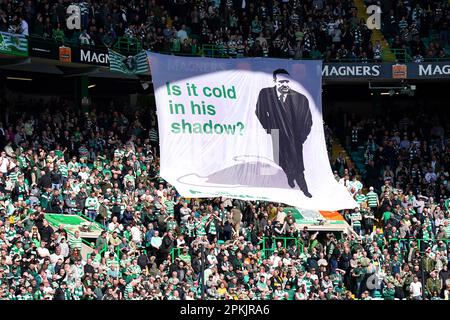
293, 120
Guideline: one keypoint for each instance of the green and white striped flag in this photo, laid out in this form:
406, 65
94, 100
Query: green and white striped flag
137, 64
13, 44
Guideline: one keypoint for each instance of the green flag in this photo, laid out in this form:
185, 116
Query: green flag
13, 44
137, 64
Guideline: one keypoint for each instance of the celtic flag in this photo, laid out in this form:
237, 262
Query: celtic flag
13, 44
137, 64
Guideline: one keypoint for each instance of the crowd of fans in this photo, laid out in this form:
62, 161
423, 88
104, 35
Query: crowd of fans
103, 165
326, 29
297, 29
407, 23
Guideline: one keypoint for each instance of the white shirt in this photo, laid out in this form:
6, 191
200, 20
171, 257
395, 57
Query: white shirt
416, 289
438, 221
77, 271
24, 28
43, 252
156, 242
275, 260
182, 34
10, 151
84, 175
287, 262
180, 243
136, 234
206, 273
322, 262
54, 258
212, 259
112, 227
48, 290
4, 164
314, 277
185, 213
64, 249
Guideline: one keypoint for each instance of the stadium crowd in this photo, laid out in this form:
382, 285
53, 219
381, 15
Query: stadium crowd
324, 29
407, 23
103, 165
296, 29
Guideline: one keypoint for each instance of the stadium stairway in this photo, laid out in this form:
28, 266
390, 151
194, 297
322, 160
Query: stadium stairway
337, 148
354, 158
85, 250
358, 159
377, 35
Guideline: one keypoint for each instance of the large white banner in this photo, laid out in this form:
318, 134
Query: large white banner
247, 128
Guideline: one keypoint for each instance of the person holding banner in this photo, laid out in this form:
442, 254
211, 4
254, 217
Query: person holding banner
283, 109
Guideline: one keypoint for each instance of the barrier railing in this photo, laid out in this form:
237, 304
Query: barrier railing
81, 214
287, 242
132, 46
436, 59
122, 45
175, 252
210, 51
406, 242
401, 55
273, 241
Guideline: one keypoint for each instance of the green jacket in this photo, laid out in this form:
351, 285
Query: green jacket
434, 285
428, 264
389, 293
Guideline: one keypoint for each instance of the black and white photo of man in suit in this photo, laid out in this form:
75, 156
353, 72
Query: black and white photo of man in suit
281, 108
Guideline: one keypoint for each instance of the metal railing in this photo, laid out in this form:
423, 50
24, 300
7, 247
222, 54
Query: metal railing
175, 252
132, 46
81, 214
406, 242
122, 45
286, 243
401, 55
212, 51
436, 59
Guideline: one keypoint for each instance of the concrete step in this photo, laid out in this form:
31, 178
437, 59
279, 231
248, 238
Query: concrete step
337, 149
86, 250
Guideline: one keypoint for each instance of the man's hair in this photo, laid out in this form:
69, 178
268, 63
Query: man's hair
279, 71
